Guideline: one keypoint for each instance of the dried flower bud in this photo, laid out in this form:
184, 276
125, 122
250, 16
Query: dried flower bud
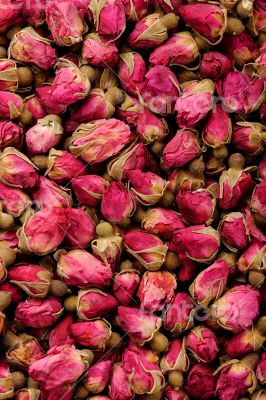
261, 369
202, 343
253, 258
175, 359
98, 51
214, 65
47, 102
49, 194
201, 382
92, 303
124, 286
8, 75
150, 127
25, 352
98, 376
129, 110
249, 137
92, 334
13, 200
11, 135
261, 62
108, 249
15, 293
46, 134
234, 231
217, 130
131, 71
11, 105
61, 333
80, 230
148, 187
28, 394
6, 385
241, 48
258, 202
115, 194
9, 239
11, 14
174, 394
34, 13
62, 166
119, 388
162, 222
179, 315
88, 189
257, 20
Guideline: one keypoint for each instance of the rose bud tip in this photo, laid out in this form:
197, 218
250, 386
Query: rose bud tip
104, 229
159, 342
261, 325
167, 199
256, 278
172, 261
115, 96
40, 161
9, 339
92, 73
87, 355
25, 76
221, 152
6, 221
169, 20
175, 379
18, 379
237, 161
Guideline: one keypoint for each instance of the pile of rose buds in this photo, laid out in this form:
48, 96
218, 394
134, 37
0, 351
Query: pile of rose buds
132, 199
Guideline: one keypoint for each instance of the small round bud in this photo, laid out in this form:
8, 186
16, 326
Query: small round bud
157, 147
18, 379
244, 8
3, 52
256, 278
58, 288
171, 262
87, 355
234, 26
25, 76
104, 229
32, 384
159, 342
40, 78
6, 221
153, 396
197, 167
5, 300
236, 161
25, 117
92, 73
169, 20
126, 265
81, 393
220, 152
175, 379
114, 95
8, 255
40, 161
115, 340
201, 42
70, 303
167, 199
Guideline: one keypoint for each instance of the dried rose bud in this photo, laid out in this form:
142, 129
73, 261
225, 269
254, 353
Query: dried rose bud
90, 140
47, 102
131, 71
26, 351
156, 289
162, 222
92, 303
195, 102
98, 376
62, 166
174, 394
253, 258
11, 135
11, 105
241, 48
80, 230
214, 65
175, 359
179, 315
61, 333
115, 194
210, 283
6, 382
82, 269
43, 231
27, 394
150, 127
92, 334
33, 105
187, 270
8, 75
39, 313
129, 110
27, 46
15, 293
11, 14
34, 13
202, 344
261, 62
98, 51
180, 179
108, 249
217, 128
249, 137
201, 382
13, 200
9, 239
119, 388
136, 10
259, 16
124, 286
258, 203
237, 308
196, 207
49, 194
88, 189
148, 187
46, 134
234, 231
261, 369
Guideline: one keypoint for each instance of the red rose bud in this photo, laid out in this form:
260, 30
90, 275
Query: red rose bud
201, 382
148, 249
249, 137
136, 10
80, 230
33, 105
16, 169
214, 65
237, 308
6, 382
174, 394
115, 194
187, 271
195, 102
98, 376
8, 75
124, 286
253, 258
15, 293
258, 18
92, 303
162, 222
43, 231
88, 189
9, 239
147, 186
179, 315
92, 334
11, 14
62, 166
119, 388
39, 313
98, 51
175, 359
241, 48
156, 289
131, 71
261, 369
108, 248
13, 200
210, 283
196, 207
11, 135
150, 127
261, 61
11, 105
27, 394
90, 140
24, 352
202, 344
49, 194
34, 13
258, 202
61, 333
27, 46
217, 128
82, 269
234, 231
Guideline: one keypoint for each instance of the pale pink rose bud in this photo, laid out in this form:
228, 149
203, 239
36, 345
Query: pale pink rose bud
11, 105
34, 12
11, 135
90, 140
195, 102
249, 137
119, 388
98, 376
202, 343
148, 249
201, 382
179, 49
261, 369
241, 92
147, 186
258, 200
8, 75
98, 51
11, 14
160, 90
124, 286
240, 48
234, 231
6, 382
108, 249
179, 315
156, 289
245, 342
94, 303
131, 71
43, 231
261, 62
92, 334
214, 65
209, 20
150, 127
129, 110
46, 134
138, 324
237, 308
210, 283
115, 194
258, 19
16, 169
89, 189
174, 394
235, 379
136, 10
196, 207
47, 103
198, 242
217, 128
9, 238
61, 333
262, 167
151, 31
253, 257
80, 230
14, 291
13, 200
49, 194
175, 359
62, 166
60, 366
162, 222
27, 394
82, 269
39, 313
26, 351
27, 46
65, 392
33, 105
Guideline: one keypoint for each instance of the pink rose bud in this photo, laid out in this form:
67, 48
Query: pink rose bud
60, 366
115, 194
43, 231
25, 352
180, 179
174, 394
138, 324
80, 230
88, 189
33, 105
201, 382
148, 249
202, 344
33, 279
249, 137
253, 257
187, 271
259, 16
179, 49
39, 313
27, 46
11, 14
258, 201
217, 128
156, 289
234, 231
194, 104
262, 167
13, 200
124, 286
162, 222
209, 20
14, 291
237, 308
108, 249
16, 169
179, 315
62, 166
261, 369
160, 90
98, 376
34, 13
131, 71
198, 242
6, 382
175, 359
47, 102
210, 283
27, 394
150, 127
61, 333
11, 135
241, 92
82, 269
196, 207
147, 186
49, 194
240, 48
129, 110
11, 105
92, 334
46, 134
119, 388
214, 65
8, 75
261, 61
9, 238
151, 31
136, 10
90, 140
98, 51
94, 303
